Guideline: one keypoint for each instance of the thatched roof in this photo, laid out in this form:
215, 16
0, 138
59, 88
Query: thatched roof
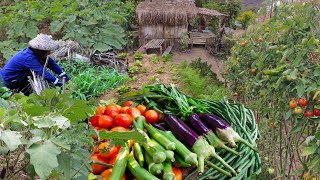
172, 12
209, 12
175, 13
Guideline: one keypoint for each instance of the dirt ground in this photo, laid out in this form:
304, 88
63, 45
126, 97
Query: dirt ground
163, 72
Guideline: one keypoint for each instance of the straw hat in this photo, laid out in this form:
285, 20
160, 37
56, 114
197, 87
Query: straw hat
43, 42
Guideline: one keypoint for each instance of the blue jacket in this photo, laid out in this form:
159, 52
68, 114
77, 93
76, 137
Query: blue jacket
24, 61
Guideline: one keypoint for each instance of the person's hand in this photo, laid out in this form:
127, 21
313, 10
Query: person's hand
70, 82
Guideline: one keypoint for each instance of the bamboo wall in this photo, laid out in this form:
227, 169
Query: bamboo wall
170, 33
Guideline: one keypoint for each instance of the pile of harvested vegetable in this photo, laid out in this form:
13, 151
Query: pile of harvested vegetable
210, 140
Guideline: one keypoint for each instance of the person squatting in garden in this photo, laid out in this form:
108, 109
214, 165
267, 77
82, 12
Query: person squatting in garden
33, 58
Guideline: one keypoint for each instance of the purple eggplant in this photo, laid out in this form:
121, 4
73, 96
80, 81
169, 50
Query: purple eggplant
162, 127
224, 130
197, 143
195, 122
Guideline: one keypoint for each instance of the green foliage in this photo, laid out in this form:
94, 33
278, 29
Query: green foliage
138, 55
155, 59
87, 22
245, 18
122, 55
168, 57
91, 80
133, 69
138, 63
46, 135
230, 8
5, 93
284, 54
184, 41
196, 84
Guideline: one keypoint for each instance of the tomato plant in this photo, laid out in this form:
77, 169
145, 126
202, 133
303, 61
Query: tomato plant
286, 66
152, 116
124, 120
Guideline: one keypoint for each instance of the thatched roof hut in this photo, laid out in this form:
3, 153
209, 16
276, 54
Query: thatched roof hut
209, 12
166, 12
167, 19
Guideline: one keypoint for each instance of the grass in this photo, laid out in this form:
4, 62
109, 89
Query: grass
200, 86
92, 81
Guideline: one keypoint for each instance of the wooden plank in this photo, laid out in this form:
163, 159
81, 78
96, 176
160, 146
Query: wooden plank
167, 51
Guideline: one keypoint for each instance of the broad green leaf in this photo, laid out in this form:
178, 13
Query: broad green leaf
56, 26
315, 163
308, 150
287, 115
4, 150
44, 158
61, 121
133, 135
11, 138
100, 46
35, 110
296, 129
300, 88
2, 114
318, 135
65, 164
61, 142
43, 121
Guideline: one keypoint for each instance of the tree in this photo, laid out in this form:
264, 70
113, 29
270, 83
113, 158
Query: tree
245, 18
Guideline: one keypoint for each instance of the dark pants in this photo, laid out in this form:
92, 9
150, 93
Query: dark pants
21, 84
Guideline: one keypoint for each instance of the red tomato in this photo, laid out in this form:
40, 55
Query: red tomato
243, 44
97, 168
111, 110
112, 159
100, 110
124, 109
316, 112
124, 120
98, 128
152, 116
177, 173
128, 103
133, 112
309, 113
119, 129
142, 108
106, 151
107, 173
105, 121
95, 120
303, 102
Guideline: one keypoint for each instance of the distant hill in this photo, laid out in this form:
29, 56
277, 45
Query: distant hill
252, 4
